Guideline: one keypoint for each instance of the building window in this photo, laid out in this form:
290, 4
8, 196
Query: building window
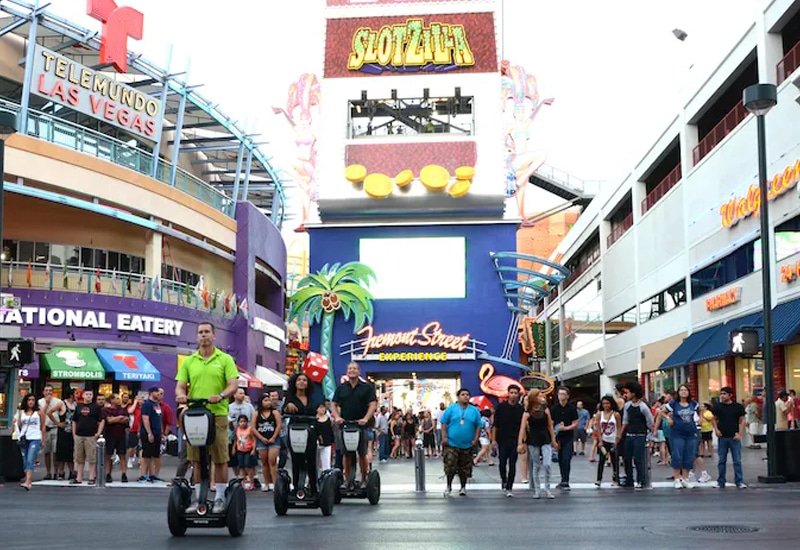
621, 323
741, 262
664, 301
583, 323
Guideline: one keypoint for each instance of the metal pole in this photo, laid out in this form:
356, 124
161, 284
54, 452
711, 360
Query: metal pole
246, 191
419, 467
100, 460
766, 286
239, 160
548, 339
28, 76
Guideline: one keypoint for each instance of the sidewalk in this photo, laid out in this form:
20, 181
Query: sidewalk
397, 476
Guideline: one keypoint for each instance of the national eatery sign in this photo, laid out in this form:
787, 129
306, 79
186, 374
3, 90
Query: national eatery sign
65, 82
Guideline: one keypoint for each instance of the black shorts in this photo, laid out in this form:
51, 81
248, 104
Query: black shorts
707, 436
116, 446
133, 440
151, 450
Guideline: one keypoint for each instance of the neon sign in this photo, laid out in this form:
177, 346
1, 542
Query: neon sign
790, 272
724, 299
118, 25
431, 335
743, 207
410, 45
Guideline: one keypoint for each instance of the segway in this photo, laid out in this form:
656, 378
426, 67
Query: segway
350, 488
302, 434
198, 425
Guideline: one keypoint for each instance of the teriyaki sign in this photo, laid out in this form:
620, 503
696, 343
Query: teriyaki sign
78, 318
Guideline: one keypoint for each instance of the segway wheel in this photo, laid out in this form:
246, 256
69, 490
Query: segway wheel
337, 478
176, 519
374, 487
281, 496
236, 515
327, 495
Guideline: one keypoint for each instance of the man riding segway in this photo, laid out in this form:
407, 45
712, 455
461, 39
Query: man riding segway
353, 406
210, 376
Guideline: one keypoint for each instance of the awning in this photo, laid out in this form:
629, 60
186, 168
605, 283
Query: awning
247, 380
684, 352
785, 322
73, 363
271, 377
717, 344
128, 366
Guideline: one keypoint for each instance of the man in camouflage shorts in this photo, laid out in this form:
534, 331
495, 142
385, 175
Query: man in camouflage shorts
461, 426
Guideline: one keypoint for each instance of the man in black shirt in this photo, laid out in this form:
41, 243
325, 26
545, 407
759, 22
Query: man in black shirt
565, 420
729, 425
87, 425
354, 401
507, 419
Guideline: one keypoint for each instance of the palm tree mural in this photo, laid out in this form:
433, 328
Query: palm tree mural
320, 295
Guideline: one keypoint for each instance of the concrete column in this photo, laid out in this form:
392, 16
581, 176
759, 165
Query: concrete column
769, 50
606, 385
152, 255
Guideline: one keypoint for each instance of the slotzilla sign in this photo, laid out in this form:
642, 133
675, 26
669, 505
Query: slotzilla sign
62, 81
79, 318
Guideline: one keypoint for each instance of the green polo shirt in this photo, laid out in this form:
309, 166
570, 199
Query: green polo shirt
207, 377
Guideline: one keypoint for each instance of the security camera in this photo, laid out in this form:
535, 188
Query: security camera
680, 34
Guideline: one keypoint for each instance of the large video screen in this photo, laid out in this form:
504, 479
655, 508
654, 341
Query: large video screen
416, 267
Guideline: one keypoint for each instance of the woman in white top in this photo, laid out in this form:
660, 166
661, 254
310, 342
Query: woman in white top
29, 422
608, 424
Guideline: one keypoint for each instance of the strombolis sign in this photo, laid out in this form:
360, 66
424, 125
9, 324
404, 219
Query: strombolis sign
78, 318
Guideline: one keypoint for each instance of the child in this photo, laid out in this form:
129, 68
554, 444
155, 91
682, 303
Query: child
245, 451
325, 431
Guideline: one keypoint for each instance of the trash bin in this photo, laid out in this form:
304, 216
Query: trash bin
787, 454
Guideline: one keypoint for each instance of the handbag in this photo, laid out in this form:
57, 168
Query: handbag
23, 441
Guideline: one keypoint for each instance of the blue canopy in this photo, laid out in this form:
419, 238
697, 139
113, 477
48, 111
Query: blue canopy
128, 365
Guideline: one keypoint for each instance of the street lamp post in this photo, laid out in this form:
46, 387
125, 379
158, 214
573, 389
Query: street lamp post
759, 99
8, 126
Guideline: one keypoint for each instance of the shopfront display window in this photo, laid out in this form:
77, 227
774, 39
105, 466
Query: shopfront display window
793, 367
5, 388
711, 377
749, 377
106, 388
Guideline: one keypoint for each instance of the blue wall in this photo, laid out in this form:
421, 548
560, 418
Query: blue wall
483, 313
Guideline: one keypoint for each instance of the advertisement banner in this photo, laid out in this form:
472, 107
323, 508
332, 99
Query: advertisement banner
63, 81
369, 46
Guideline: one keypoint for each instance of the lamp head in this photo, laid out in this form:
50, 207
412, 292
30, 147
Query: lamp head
760, 98
8, 124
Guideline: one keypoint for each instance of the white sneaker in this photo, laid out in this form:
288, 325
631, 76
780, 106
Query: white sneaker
548, 494
692, 477
219, 507
536, 494
685, 483
704, 477
130, 463
448, 492
509, 494
678, 484
463, 491
271, 487
192, 509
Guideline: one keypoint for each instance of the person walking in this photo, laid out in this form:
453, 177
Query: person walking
210, 374
637, 422
580, 432
485, 442
729, 426
608, 423
505, 432
461, 427
382, 427
536, 437
565, 419
752, 416
683, 434
30, 423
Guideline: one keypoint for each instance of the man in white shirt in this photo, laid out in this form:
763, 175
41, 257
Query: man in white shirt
52, 407
382, 427
437, 428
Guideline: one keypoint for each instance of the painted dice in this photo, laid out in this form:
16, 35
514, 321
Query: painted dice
315, 366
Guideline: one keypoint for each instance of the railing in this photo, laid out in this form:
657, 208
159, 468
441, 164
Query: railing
67, 134
16, 275
619, 230
789, 63
582, 267
718, 133
584, 187
661, 189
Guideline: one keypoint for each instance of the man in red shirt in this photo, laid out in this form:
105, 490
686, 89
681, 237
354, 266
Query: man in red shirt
135, 414
167, 422
117, 419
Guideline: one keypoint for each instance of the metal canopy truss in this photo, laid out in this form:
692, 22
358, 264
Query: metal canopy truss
186, 113
526, 279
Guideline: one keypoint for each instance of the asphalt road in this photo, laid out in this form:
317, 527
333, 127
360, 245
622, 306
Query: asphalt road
60, 517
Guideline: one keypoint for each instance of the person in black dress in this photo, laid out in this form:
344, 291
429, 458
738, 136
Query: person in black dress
299, 402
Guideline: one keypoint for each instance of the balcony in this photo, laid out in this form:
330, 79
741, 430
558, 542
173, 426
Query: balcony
582, 267
789, 63
661, 189
718, 133
619, 230
75, 137
18, 275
